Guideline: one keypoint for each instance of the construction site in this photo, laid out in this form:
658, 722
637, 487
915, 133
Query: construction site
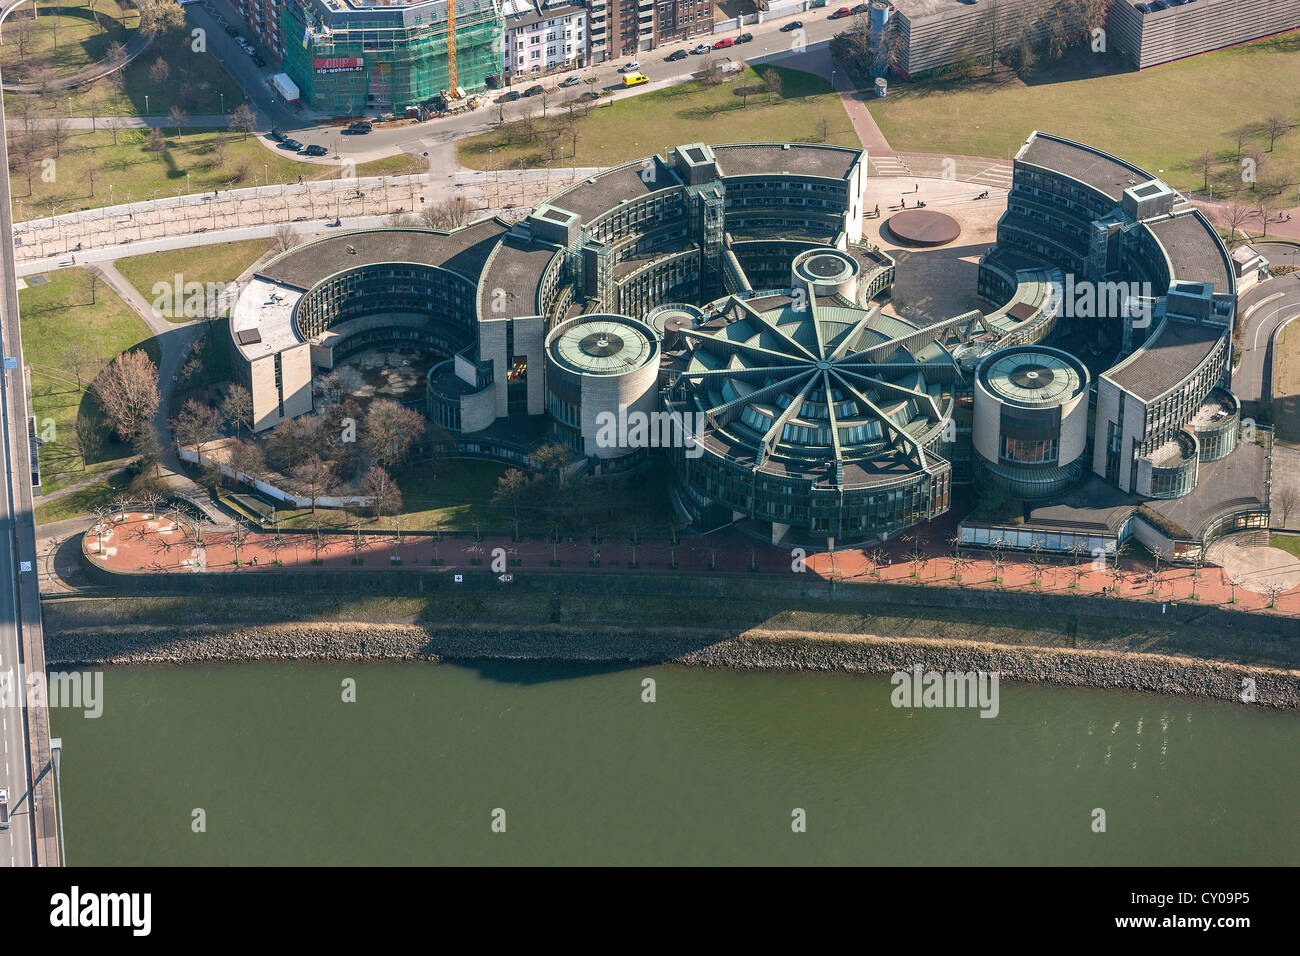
349, 57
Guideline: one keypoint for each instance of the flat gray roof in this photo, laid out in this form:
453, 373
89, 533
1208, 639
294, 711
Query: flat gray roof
832, 162
1194, 249
463, 251
1235, 483
592, 197
515, 270
1101, 171
1176, 351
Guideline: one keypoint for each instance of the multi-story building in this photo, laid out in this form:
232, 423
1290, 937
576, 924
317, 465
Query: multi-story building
728, 298
622, 28
542, 35
1154, 32
262, 18
349, 56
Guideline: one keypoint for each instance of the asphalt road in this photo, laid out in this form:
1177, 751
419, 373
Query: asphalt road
1270, 304
769, 44
24, 733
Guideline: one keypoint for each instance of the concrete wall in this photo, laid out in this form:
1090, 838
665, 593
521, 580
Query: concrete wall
1160, 36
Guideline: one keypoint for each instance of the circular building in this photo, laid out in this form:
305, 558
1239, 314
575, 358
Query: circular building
817, 419
1031, 420
826, 272
602, 373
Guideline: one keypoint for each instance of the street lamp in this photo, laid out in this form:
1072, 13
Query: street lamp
223, 101
187, 184
56, 751
146, 104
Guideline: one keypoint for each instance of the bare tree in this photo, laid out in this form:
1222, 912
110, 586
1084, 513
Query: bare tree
128, 392
1288, 496
177, 117
385, 497
285, 237
1204, 164
1275, 127
59, 130
195, 425
390, 430
242, 120
313, 478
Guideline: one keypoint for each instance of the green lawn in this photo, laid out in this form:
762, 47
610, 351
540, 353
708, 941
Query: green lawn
1160, 119
83, 500
65, 41
1290, 543
685, 113
90, 163
58, 317
216, 263
454, 494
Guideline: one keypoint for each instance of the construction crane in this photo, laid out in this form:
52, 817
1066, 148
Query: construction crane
451, 47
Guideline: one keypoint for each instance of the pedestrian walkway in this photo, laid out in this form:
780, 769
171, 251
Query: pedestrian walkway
137, 543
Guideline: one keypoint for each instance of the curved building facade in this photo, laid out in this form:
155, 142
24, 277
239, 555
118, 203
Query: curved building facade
1031, 420
729, 291
602, 374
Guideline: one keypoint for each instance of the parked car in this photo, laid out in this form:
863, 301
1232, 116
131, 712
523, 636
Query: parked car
571, 81
634, 79
359, 128
509, 96
258, 61
276, 134
862, 8
232, 31
702, 49
792, 25
534, 90
817, 3
675, 56
841, 12
724, 43
629, 67
315, 150
292, 145
744, 38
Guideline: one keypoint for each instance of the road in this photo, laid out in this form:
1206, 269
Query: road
1261, 311
769, 45
24, 732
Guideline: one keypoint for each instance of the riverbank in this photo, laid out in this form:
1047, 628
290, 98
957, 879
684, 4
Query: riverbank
750, 648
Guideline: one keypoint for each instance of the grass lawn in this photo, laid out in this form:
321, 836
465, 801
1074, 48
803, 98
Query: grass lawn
685, 113
451, 495
90, 163
83, 500
1286, 384
1290, 543
64, 42
217, 263
1160, 119
58, 319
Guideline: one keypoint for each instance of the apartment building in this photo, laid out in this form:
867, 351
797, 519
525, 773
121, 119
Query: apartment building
541, 36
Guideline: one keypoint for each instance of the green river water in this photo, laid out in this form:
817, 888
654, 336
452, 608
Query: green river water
286, 772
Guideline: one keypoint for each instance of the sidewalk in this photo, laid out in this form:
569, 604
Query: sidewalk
141, 545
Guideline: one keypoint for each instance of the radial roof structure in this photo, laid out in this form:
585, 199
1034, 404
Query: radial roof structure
816, 387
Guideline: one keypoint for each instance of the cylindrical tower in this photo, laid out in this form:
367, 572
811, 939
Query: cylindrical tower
826, 271
601, 378
1031, 420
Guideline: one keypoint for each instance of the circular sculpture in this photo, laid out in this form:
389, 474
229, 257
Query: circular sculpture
826, 271
922, 227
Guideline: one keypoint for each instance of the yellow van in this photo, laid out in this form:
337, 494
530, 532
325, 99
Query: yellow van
635, 79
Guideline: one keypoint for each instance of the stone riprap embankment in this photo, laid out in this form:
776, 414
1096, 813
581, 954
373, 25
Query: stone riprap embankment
763, 649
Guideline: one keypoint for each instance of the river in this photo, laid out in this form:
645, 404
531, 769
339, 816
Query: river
279, 769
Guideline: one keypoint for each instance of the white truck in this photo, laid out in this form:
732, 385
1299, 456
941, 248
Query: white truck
4, 809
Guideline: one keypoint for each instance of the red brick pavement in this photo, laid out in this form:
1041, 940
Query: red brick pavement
140, 544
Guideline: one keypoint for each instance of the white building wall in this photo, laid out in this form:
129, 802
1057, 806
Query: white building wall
546, 44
